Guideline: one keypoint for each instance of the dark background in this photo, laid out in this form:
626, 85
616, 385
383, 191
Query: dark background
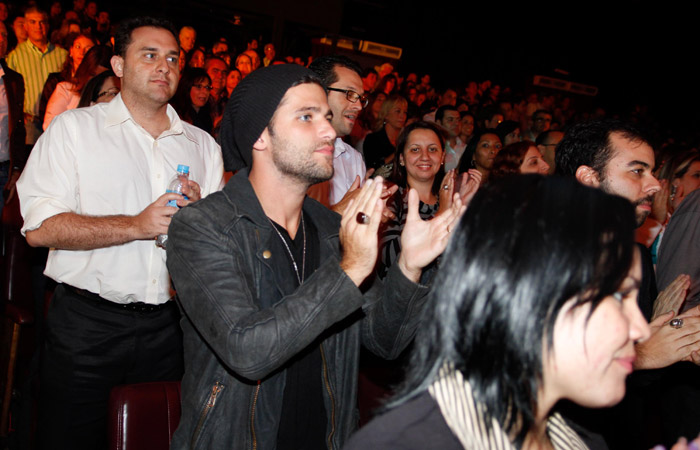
636, 53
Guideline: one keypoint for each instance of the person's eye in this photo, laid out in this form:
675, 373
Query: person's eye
173, 59
305, 117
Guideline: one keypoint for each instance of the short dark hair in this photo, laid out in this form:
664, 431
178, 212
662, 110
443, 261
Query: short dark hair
440, 113
542, 111
212, 58
35, 10
122, 38
398, 172
588, 144
492, 314
325, 67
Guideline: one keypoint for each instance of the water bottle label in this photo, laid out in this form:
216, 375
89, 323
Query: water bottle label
173, 203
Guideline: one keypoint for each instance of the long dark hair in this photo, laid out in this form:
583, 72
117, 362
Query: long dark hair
520, 252
398, 172
181, 100
465, 162
93, 88
98, 56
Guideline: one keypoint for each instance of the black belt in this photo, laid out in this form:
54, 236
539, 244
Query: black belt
136, 306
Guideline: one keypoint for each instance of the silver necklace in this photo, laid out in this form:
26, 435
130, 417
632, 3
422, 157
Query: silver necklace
300, 278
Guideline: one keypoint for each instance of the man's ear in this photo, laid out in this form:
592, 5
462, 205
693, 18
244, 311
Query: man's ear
117, 65
260, 143
587, 176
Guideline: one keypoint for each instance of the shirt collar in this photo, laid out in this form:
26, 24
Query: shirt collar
118, 113
49, 47
338, 147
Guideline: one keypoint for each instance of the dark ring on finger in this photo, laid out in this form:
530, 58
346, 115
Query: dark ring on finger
362, 218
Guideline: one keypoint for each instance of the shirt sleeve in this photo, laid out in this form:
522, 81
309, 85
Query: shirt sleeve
49, 183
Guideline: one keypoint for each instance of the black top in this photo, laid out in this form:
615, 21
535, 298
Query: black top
303, 420
377, 146
415, 425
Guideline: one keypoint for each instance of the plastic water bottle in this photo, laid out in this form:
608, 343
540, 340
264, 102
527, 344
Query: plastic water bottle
175, 187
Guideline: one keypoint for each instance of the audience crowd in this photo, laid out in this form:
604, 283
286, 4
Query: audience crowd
412, 155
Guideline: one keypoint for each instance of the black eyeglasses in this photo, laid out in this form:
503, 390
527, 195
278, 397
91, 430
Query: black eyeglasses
352, 96
203, 86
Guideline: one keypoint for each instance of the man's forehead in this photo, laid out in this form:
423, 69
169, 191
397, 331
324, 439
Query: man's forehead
153, 37
304, 95
348, 78
36, 16
627, 149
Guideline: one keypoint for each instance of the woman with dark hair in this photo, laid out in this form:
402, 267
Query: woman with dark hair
418, 162
232, 79
379, 147
466, 129
503, 340
191, 100
366, 120
101, 88
387, 85
480, 153
77, 44
67, 93
195, 58
509, 132
518, 158
679, 175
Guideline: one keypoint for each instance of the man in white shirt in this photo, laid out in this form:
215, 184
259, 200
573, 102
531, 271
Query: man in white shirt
448, 118
92, 191
346, 97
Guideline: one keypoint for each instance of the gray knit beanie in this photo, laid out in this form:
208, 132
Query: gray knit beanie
250, 108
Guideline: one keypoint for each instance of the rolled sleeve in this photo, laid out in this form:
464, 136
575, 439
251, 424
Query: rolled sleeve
48, 185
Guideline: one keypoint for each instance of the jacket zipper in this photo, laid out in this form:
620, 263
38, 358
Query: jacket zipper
330, 394
252, 416
215, 391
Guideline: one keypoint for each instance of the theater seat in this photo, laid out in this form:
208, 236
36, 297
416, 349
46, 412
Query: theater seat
15, 300
143, 416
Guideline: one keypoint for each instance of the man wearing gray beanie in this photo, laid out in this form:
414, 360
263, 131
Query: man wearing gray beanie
276, 289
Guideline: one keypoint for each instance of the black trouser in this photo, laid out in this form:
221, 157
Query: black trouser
90, 347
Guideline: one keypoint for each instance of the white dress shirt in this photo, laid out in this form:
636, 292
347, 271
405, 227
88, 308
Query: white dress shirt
347, 164
98, 161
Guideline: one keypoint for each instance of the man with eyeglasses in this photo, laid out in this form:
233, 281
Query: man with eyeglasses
341, 77
547, 143
539, 123
94, 192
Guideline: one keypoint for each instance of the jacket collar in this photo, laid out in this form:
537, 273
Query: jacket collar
240, 192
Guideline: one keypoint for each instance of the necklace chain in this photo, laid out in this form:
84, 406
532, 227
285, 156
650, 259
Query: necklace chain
300, 278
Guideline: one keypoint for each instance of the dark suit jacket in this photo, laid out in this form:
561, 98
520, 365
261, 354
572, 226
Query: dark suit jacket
14, 89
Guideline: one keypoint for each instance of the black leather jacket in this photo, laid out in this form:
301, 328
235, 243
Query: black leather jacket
239, 329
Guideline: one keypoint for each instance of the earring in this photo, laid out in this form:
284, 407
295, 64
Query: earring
673, 192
